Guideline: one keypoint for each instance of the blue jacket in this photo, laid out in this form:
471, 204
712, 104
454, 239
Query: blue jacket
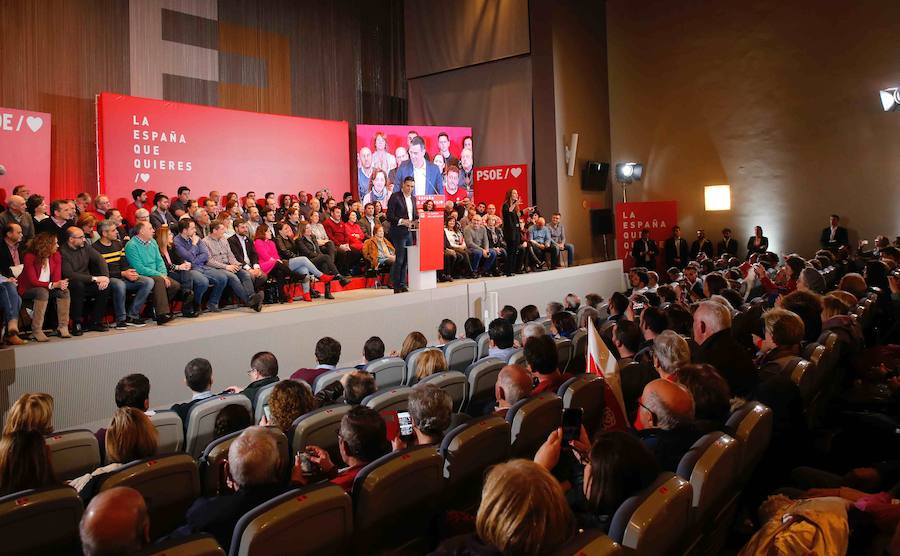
196, 254
541, 236
434, 184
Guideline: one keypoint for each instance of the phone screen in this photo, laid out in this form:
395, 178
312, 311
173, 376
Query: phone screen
571, 423
268, 412
406, 426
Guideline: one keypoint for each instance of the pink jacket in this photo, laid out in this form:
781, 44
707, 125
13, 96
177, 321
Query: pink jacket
268, 254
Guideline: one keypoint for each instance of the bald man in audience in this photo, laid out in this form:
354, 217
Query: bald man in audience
17, 214
665, 422
513, 384
115, 522
719, 348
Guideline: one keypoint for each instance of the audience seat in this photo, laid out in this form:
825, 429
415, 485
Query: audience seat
751, 425
460, 354
194, 545
262, 400
517, 358
388, 371
171, 431
169, 485
711, 466
41, 521
212, 462
389, 399
482, 376
411, 361
579, 352
452, 382
394, 500
73, 453
564, 351
587, 392
468, 451
806, 376
327, 379
545, 322
654, 522
202, 421
312, 521
319, 427
531, 421
484, 344
590, 543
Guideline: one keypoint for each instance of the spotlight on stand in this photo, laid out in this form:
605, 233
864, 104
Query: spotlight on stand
890, 99
627, 172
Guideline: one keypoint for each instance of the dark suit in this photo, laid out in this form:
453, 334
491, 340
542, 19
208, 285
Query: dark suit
6, 259
668, 446
184, 409
400, 235
252, 258
49, 226
434, 184
841, 238
722, 351
157, 219
644, 252
676, 252
252, 389
762, 248
701, 246
729, 246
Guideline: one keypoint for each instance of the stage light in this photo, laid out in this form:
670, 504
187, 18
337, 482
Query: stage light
626, 172
717, 197
890, 99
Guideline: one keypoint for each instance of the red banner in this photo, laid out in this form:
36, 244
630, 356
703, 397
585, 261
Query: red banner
631, 218
160, 145
431, 241
492, 183
25, 151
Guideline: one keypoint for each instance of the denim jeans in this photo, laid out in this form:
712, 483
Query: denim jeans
10, 302
192, 281
119, 288
219, 280
302, 265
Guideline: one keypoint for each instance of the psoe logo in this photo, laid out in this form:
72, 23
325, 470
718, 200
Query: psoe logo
495, 174
9, 122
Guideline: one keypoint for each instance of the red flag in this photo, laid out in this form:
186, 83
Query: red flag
600, 362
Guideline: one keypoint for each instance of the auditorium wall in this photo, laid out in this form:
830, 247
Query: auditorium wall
333, 60
777, 99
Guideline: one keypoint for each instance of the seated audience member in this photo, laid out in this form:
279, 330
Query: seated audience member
223, 262
781, 344
141, 215
196, 253
430, 409
38, 209
473, 328
160, 214
115, 522
541, 244
513, 385
263, 371
31, 412
593, 300
307, 246
563, 325
483, 257
130, 437
373, 349
362, 439
198, 377
811, 280
132, 390
253, 471
193, 283
665, 422
356, 386
446, 333
532, 330
289, 400
836, 318
10, 300
552, 308
618, 304
232, 418
496, 241
653, 322
572, 303
509, 313
808, 306
515, 520
429, 362
345, 256
502, 338
458, 260
854, 283
586, 315
244, 250
711, 396
88, 275
62, 217
413, 341
616, 467
41, 279
670, 351
378, 251
542, 359
529, 313
558, 237
328, 353
123, 278
17, 213
719, 348
24, 462
626, 336
143, 252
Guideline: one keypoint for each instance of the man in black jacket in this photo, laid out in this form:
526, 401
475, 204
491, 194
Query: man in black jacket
676, 249
88, 275
834, 236
645, 251
401, 213
62, 214
198, 377
728, 246
242, 246
263, 371
717, 347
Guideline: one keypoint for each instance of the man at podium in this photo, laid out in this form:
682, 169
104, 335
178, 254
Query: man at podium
402, 213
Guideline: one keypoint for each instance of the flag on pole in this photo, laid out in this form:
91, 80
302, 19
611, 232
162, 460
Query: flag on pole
600, 362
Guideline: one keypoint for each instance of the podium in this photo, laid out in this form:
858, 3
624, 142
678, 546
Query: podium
426, 254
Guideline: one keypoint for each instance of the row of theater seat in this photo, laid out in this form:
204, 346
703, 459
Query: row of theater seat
394, 498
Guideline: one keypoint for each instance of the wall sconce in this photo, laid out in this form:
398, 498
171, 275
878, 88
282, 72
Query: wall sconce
718, 197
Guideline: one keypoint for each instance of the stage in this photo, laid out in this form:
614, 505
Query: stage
81, 373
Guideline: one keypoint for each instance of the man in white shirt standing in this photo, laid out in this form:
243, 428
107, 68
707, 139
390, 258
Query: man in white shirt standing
402, 214
426, 176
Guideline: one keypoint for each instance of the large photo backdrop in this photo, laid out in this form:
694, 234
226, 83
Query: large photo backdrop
385, 148
160, 145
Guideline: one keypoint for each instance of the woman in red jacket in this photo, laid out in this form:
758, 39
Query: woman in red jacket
41, 279
355, 235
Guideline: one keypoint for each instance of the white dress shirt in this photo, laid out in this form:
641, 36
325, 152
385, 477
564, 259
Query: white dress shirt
419, 175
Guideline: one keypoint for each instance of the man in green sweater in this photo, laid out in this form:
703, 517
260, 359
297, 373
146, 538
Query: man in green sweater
143, 254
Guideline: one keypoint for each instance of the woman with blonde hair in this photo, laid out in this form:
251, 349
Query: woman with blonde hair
130, 437
413, 341
523, 512
429, 362
31, 412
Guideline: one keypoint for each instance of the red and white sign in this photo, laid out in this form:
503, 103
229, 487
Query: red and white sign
631, 218
492, 183
25, 150
160, 145
431, 241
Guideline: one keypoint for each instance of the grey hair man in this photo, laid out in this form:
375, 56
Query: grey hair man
513, 384
532, 330
430, 409
670, 351
719, 348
